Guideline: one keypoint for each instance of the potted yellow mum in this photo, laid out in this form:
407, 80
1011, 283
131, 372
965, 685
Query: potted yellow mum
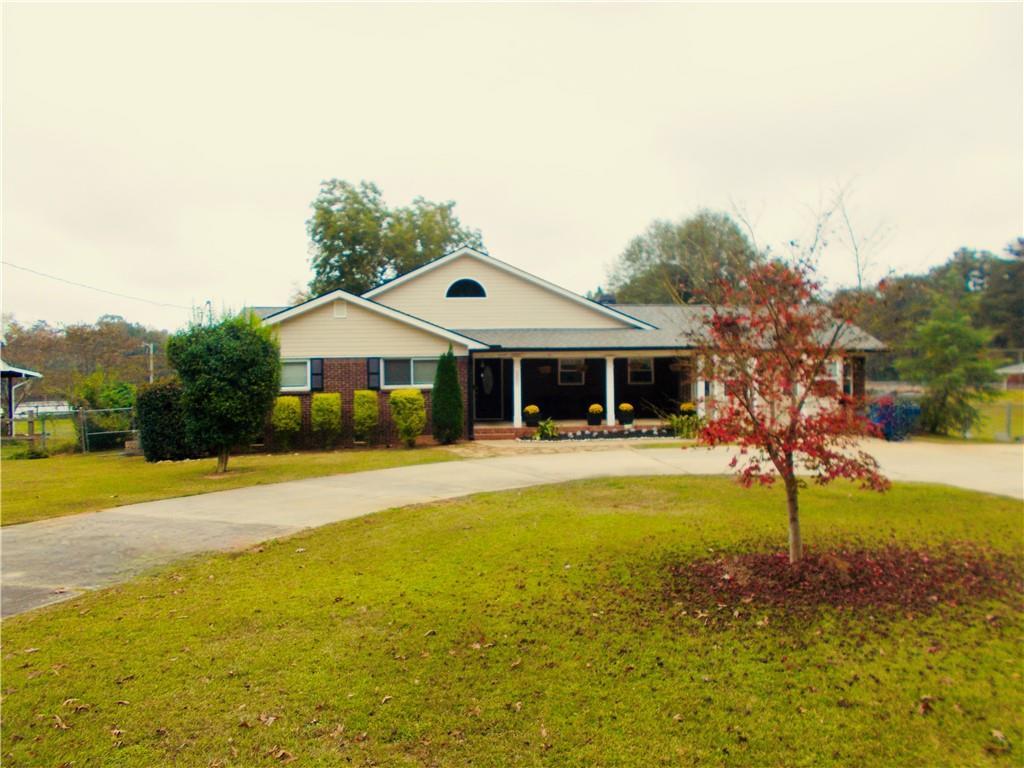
626, 414
531, 414
594, 414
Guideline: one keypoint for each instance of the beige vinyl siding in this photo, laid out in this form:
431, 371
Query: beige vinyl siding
511, 301
361, 333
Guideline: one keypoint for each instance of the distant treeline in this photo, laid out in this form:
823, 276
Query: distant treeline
67, 354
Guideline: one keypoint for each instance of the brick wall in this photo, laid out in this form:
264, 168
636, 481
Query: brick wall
346, 375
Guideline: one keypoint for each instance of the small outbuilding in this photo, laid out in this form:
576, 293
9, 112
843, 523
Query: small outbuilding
1013, 376
13, 378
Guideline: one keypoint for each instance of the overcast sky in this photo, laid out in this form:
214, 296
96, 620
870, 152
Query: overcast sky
171, 152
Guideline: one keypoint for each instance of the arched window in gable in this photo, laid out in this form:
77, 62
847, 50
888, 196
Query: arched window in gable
466, 289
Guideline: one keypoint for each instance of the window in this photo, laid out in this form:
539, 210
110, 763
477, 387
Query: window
640, 370
853, 376
572, 372
294, 375
466, 289
409, 372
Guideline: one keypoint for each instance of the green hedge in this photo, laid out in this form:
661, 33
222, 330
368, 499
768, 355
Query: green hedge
446, 400
161, 422
325, 418
365, 415
286, 420
409, 413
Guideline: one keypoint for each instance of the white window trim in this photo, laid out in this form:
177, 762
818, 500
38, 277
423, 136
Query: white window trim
463, 298
309, 369
582, 372
629, 372
383, 373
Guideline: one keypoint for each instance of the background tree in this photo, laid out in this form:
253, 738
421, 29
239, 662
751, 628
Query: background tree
108, 401
989, 288
769, 341
230, 373
67, 354
358, 242
681, 260
446, 400
948, 356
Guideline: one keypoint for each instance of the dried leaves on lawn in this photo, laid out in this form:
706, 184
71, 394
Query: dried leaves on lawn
890, 578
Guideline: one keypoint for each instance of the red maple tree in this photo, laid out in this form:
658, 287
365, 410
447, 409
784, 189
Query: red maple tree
771, 342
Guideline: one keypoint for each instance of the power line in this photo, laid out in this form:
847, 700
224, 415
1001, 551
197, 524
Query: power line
93, 287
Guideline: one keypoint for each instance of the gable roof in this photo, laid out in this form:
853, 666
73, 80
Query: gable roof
9, 371
373, 306
679, 327
515, 271
262, 312
689, 321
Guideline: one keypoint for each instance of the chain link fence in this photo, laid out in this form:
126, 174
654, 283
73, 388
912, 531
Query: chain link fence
85, 429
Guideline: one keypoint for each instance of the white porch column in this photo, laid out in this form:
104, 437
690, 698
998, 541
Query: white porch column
609, 391
517, 392
699, 396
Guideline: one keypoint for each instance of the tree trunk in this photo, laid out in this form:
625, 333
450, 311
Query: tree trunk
222, 461
796, 545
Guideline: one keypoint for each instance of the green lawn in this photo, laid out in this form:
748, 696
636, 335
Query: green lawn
60, 428
524, 628
60, 437
66, 484
994, 423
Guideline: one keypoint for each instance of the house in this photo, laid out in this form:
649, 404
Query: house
518, 340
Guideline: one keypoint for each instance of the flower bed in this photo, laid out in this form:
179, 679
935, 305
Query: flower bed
583, 433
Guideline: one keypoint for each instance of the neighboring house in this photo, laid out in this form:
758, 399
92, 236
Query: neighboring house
1013, 376
13, 379
518, 339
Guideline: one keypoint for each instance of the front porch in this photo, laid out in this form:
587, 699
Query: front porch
564, 386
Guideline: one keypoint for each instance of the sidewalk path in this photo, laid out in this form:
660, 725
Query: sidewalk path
51, 560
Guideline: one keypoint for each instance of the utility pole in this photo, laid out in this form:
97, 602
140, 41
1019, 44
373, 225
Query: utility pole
150, 345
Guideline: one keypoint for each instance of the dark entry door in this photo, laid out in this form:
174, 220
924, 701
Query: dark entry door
684, 374
488, 391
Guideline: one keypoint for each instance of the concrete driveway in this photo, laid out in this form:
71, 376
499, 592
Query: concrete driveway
52, 560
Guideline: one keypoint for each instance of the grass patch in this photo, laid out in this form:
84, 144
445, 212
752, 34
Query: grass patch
1002, 418
645, 444
524, 628
65, 485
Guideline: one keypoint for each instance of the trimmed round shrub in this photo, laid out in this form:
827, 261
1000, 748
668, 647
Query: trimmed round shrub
446, 400
365, 415
409, 413
286, 420
230, 371
161, 422
325, 418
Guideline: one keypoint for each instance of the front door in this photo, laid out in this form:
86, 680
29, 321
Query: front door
488, 391
684, 380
